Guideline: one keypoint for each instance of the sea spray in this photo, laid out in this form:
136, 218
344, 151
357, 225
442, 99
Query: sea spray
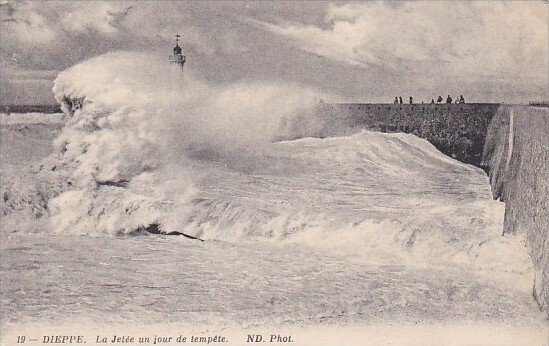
149, 154
131, 126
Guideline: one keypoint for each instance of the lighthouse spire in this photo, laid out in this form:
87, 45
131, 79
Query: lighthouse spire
177, 57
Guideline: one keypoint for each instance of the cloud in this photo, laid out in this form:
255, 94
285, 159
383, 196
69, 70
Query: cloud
364, 51
103, 17
23, 24
45, 35
61, 28
42, 22
473, 39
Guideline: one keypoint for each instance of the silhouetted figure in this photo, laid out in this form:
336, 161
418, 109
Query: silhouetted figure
396, 101
448, 99
433, 101
456, 101
400, 99
439, 100
411, 100
461, 99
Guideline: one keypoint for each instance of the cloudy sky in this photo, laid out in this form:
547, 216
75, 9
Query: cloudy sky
362, 51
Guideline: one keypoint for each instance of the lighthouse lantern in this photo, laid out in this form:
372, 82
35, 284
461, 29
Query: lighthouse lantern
177, 57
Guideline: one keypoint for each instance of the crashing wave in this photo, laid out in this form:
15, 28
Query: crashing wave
131, 126
144, 149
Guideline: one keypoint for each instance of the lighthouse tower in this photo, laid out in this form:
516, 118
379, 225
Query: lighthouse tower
177, 58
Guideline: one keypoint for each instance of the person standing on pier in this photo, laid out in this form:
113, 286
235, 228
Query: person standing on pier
439, 100
396, 101
448, 99
411, 100
461, 99
400, 99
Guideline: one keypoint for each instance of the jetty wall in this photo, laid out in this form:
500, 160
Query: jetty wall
458, 130
516, 155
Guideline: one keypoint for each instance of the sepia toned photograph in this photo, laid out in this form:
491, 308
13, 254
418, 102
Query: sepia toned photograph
274, 172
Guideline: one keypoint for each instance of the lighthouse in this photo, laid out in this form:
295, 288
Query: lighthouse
177, 58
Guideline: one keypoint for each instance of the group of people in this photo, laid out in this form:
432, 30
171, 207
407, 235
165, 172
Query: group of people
460, 99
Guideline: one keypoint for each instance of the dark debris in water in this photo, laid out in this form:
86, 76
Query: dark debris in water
155, 228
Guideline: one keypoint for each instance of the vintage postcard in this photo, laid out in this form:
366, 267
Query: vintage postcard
274, 173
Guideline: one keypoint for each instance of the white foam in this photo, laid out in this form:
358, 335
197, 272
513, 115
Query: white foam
150, 148
141, 116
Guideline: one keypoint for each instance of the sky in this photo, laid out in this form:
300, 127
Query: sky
359, 51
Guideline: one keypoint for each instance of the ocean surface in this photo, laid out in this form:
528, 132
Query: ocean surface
370, 227
360, 229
